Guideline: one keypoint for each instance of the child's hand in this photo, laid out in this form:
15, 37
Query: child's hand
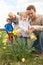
19, 34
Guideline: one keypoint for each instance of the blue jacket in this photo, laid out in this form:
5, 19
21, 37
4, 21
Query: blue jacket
8, 28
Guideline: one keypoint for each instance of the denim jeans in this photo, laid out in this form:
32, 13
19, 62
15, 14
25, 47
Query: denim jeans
41, 40
38, 44
24, 39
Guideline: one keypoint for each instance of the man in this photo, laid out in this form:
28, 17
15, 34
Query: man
36, 20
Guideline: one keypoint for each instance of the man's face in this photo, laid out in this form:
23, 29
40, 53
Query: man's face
31, 13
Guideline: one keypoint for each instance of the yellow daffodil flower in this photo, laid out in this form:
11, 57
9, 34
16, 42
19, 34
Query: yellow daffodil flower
0, 33
4, 47
4, 41
34, 37
0, 36
6, 36
15, 32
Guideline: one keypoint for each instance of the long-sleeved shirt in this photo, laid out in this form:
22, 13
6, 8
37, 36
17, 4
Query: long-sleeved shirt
38, 21
23, 27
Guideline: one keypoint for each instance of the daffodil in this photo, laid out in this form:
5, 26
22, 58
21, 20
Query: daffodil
0, 36
4, 47
33, 37
15, 32
4, 41
6, 36
0, 33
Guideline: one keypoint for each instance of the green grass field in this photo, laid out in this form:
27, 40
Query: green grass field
17, 53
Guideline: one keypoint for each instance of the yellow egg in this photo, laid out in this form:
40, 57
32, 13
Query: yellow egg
23, 59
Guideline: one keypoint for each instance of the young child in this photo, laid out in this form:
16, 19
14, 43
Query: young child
23, 24
9, 29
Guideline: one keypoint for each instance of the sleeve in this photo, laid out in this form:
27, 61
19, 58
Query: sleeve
16, 21
6, 28
41, 28
42, 21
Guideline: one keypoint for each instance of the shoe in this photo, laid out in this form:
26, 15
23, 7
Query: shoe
33, 51
36, 52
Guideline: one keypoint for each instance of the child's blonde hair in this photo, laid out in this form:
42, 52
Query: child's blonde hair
22, 14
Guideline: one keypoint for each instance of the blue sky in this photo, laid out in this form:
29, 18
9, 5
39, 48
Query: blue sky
14, 6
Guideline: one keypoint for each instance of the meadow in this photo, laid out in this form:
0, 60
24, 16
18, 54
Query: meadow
17, 53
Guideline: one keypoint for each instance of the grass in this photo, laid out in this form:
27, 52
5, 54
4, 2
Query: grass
18, 53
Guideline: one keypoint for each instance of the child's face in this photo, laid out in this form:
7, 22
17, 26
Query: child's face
8, 21
23, 16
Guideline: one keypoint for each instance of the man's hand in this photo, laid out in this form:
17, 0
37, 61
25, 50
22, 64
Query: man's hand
35, 28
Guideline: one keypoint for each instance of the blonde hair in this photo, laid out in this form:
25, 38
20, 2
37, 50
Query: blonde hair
11, 15
22, 14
